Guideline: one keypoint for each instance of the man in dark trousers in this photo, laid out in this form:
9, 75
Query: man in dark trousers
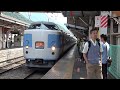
105, 56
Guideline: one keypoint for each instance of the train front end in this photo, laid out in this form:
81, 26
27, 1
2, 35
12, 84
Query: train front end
41, 47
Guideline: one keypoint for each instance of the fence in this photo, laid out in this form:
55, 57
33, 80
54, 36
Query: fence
114, 69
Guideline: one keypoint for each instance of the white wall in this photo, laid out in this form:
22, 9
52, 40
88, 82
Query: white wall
0, 37
10, 53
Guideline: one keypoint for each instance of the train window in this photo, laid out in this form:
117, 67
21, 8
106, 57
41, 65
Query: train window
35, 26
51, 27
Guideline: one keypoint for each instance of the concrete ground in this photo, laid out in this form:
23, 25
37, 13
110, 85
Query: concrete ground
69, 66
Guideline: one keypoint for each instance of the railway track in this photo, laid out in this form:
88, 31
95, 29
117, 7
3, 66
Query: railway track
8, 65
10, 62
11, 59
23, 73
37, 74
28, 76
16, 69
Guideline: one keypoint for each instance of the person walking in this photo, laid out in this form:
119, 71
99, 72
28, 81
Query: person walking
92, 54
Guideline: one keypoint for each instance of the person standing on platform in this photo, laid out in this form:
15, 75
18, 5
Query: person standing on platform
92, 54
105, 56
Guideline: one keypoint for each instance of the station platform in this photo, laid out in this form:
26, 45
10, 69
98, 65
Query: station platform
70, 66
63, 69
10, 53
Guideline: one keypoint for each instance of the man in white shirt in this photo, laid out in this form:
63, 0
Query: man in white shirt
93, 57
105, 56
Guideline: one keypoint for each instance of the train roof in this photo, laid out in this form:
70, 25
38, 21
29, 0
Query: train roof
44, 22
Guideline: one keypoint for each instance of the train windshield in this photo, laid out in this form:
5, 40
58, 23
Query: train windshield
44, 26
51, 27
35, 26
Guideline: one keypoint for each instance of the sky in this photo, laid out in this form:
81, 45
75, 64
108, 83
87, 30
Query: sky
51, 17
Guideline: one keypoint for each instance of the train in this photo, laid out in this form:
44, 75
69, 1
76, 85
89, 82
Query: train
45, 42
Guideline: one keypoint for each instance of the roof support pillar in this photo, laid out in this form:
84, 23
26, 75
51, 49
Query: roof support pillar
111, 30
90, 25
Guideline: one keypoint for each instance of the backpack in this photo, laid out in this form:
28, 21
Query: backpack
89, 43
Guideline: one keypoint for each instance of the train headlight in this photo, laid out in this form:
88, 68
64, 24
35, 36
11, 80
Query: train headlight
53, 48
27, 47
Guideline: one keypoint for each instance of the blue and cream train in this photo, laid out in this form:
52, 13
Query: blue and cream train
45, 42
